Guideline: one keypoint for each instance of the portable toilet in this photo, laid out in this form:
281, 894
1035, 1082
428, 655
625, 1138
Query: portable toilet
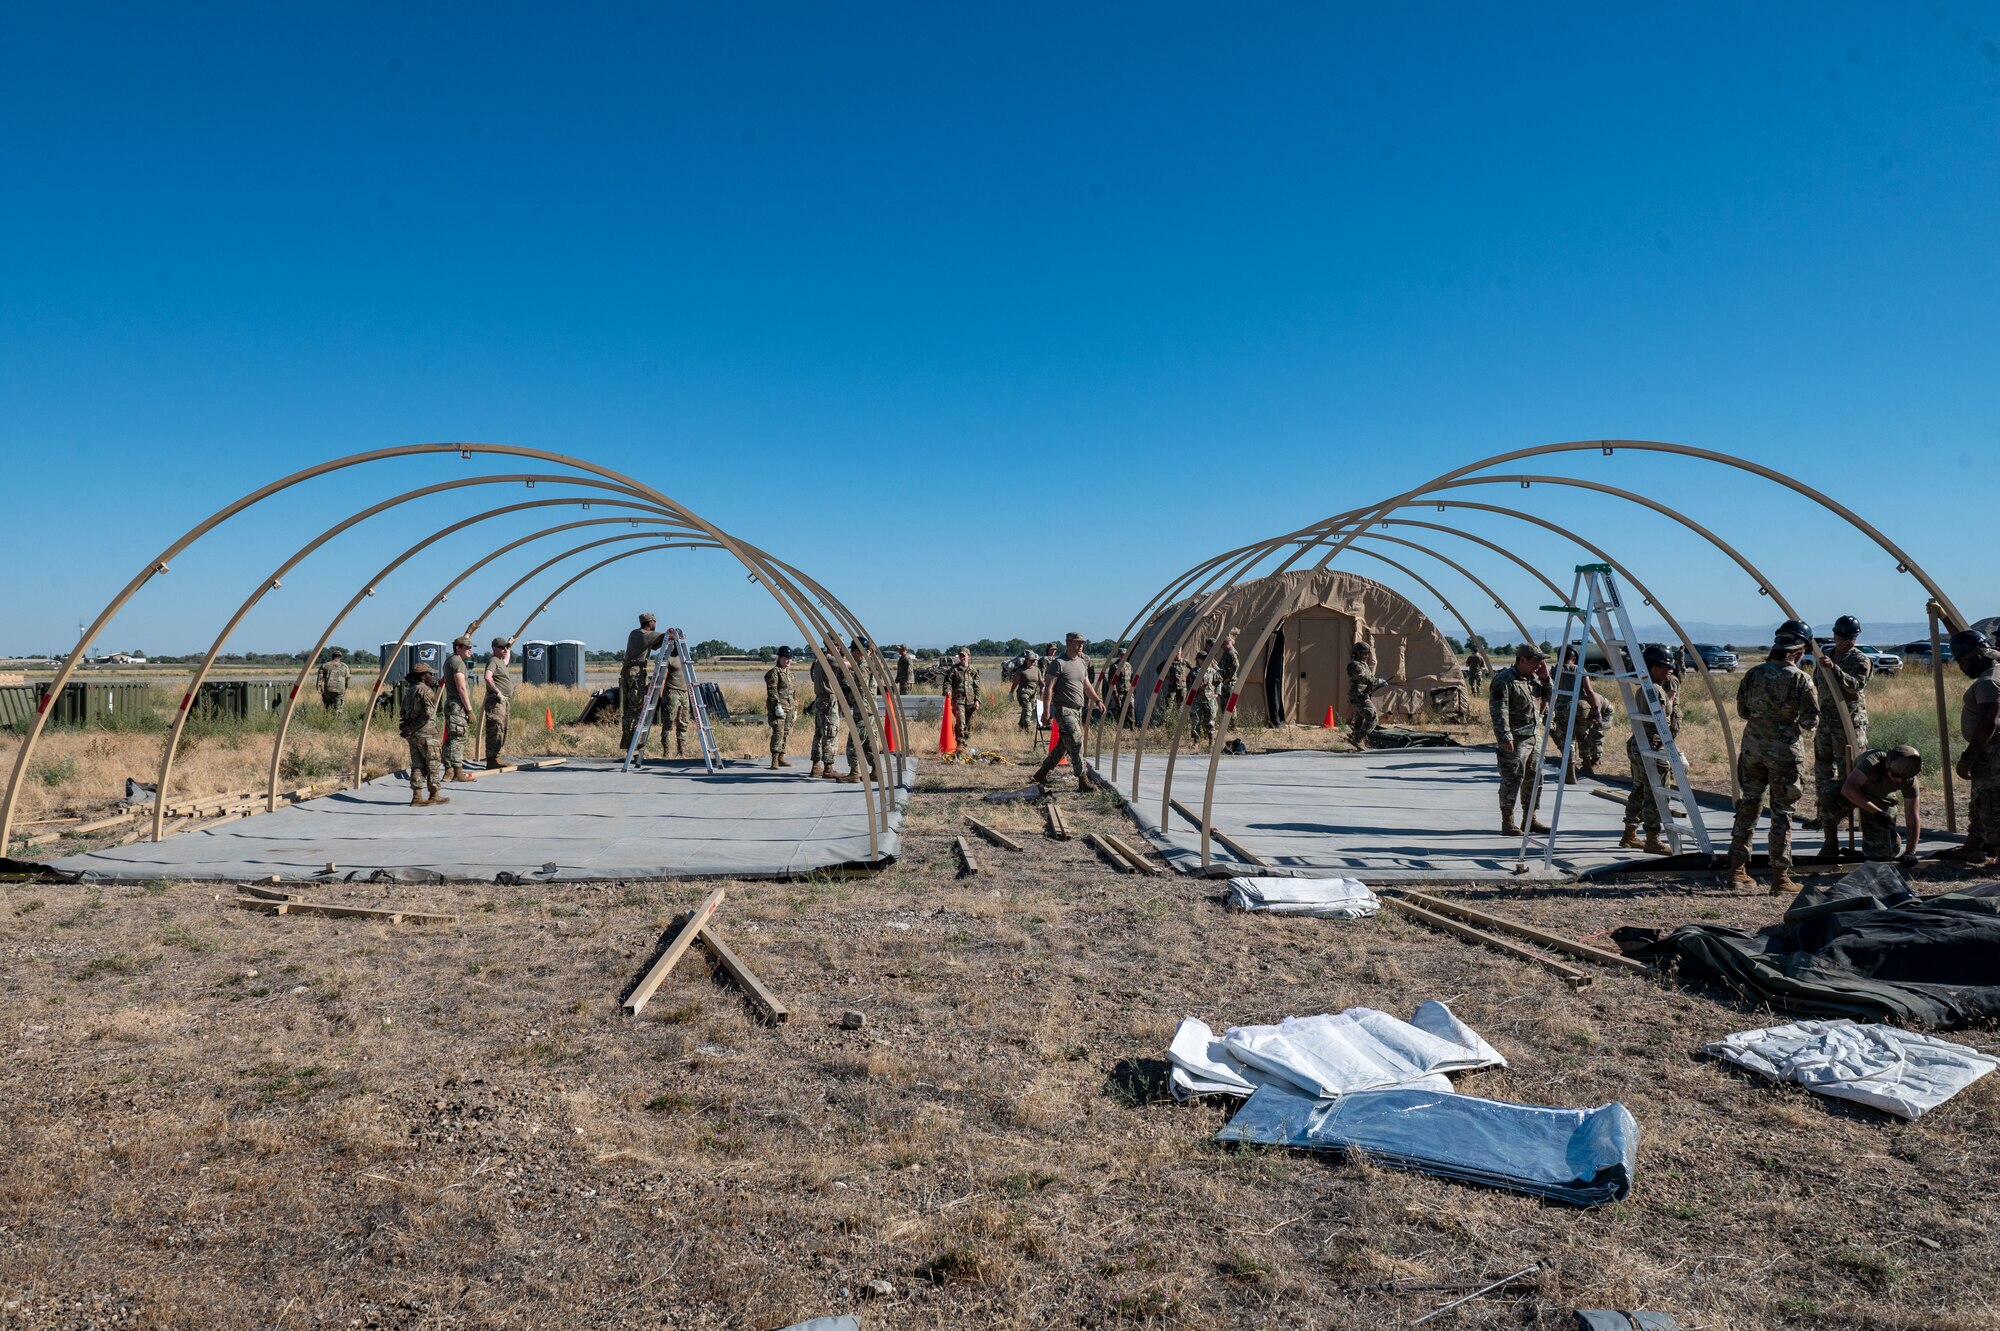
535, 663
566, 661
433, 652
396, 657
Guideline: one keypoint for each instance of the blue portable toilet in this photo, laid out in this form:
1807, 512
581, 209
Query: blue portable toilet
433, 652
535, 662
566, 662
396, 657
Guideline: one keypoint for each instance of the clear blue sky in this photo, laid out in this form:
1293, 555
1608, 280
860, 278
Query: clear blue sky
992, 318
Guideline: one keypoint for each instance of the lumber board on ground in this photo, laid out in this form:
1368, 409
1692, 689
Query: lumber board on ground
697, 920
1502, 924
280, 903
965, 853
540, 764
1139, 859
1103, 848
82, 829
753, 988
1569, 975
1220, 837
995, 835
1058, 826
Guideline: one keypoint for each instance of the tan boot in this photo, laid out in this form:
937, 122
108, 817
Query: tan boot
1508, 827
1783, 885
816, 771
1630, 841
417, 800
849, 777
1569, 777
460, 775
780, 760
1537, 825
1655, 846
437, 799
1739, 878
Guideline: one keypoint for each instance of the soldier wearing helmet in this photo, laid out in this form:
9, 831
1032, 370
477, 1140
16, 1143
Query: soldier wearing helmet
1877, 781
1362, 685
632, 675
1777, 704
1641, 809
1842, 677
1979, 763
495, 707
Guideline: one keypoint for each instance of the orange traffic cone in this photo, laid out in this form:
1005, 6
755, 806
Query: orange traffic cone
549, 718
889, 727
1328, 723
947, 738
1053, 734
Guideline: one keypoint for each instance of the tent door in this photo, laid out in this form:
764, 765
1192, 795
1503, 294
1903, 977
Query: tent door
1324, 639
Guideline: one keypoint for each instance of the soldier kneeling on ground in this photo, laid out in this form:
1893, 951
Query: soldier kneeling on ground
1879, 779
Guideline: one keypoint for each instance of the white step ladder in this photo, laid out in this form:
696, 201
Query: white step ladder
672, 647
1596, 606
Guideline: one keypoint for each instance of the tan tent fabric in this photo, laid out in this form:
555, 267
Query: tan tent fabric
1323, 612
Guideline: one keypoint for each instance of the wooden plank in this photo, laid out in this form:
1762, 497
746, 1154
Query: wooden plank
540, 764
1222, 839
1569, 975
1058, 828
83, 829
293, 906
1103, 848
995, 835
1138, 858
697, 920
965, 853
753, 988
1504, 925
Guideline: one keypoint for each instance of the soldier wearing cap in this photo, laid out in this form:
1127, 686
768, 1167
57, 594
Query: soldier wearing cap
1515, 701
1842, 679
1979, 727
1641, 809
1362, 683
1777, 703
457, 707
333, 682
779, 706
496, 707
906, 670
1477, 669
641, 643
418, 724
826, 715
961, 687
1067, 693
1118, 678
1877, 781
1027, 688
1592, 717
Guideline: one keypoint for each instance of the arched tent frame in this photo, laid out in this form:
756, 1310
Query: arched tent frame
795, 595
1215, 576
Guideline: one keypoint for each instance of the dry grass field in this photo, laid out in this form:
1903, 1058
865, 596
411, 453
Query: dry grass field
217, 1119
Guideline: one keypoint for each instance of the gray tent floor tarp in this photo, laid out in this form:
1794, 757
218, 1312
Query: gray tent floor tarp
583, 821
1398, 815
1864, 947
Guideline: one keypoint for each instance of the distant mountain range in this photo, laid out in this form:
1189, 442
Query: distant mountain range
1887, 634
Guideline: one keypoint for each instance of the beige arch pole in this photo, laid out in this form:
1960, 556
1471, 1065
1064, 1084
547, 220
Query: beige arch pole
500, 601
1464, 572
368, 589
1419, 579
164, 780
465, 450
550, 599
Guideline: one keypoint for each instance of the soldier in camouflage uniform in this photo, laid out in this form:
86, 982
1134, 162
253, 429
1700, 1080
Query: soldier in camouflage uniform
1228, 669
906, 670
457, 708
496, 706
641, 643
1068, 695
826, 721
1842, 680
1592, 717
333, 682
1515, 701
1118, 687
860, 736
1477, 670
961, 683
1641, 810
1027, 688
780, 706
1201, 698
676, 713
1879, 779
418, 724
1361, 686
1979, 727
1777, 704
1172, 691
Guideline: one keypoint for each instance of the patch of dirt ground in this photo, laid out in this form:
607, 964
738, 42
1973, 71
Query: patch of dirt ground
221, 1119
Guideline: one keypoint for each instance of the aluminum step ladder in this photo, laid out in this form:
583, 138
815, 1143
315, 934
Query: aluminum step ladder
674, 648
654, 686
710, 755
1596, 606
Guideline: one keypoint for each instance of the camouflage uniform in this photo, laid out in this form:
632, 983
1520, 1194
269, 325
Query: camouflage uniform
961, 686
864, 751
1590, 713
333, 685
1842, 679
1229, 669
1172, 692
418, 724
1777, 704
496, 708
676, 712
1027, 688
1982, 810
779, 708
906, 673
457, 716
1118, 693
1640, 808
1361, 686
1067, 700
1201, 702
1477, 671
632, 680
826, 718
1880, 839
1514, 702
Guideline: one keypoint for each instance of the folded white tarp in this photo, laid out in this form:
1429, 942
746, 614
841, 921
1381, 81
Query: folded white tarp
1327, 1056
1328, 898
1899, 1072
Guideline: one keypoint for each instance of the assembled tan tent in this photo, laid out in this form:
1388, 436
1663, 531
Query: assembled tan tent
1324, 613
